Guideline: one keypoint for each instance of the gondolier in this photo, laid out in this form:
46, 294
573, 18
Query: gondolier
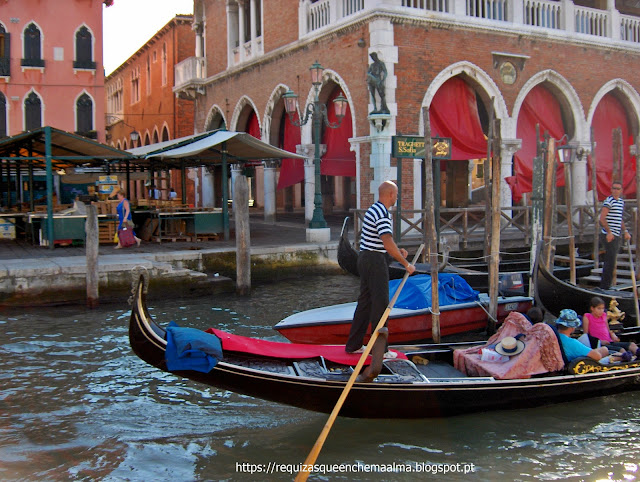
375, 241
612, 229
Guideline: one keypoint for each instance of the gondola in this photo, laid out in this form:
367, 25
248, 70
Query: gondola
555, 294
513, 277
403, 389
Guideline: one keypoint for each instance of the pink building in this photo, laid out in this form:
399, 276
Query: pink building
51, 70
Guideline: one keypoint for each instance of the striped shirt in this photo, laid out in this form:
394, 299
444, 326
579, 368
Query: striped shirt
614, 216
377, 221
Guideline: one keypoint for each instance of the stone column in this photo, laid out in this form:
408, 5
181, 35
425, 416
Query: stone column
508, 148
232, 30
580, 178
254, 30
270, 191
241, 33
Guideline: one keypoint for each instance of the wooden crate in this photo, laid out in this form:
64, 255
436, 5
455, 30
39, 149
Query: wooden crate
106, 232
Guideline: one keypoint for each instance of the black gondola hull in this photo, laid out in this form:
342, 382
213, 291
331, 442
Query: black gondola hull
379, 399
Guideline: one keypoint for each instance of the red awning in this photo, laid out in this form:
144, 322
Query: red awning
253, 126
539, 107
454, 113
610, 114
339, 160
291, 170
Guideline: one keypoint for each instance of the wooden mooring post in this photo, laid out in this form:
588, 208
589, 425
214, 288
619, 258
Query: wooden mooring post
431, 234
494, 258
549, 202
92, 244
243, 238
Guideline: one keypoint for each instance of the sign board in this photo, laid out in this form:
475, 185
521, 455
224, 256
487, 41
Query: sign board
412, 147
106, 184
107, 180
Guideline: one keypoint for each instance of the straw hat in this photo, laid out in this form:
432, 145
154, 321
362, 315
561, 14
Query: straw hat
509, 346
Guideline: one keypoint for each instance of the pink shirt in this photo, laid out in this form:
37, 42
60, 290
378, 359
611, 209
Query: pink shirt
599, 327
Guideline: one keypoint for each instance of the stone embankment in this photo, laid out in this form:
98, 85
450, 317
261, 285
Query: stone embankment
62, 280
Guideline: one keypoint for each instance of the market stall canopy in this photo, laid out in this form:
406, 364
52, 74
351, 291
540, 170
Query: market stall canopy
67, 150
208, 148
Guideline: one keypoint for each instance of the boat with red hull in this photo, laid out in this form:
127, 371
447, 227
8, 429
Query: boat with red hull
331, 324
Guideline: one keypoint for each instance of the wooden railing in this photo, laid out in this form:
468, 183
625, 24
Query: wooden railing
465, 226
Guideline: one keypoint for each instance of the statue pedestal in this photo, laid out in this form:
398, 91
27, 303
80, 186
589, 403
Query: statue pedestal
379, 121
318, 235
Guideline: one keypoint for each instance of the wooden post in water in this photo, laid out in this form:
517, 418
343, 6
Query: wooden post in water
494, 259
92, 242
617, 154
594, 184
537, 206
487, 183
243, 238
430, 227
636, 230
549, 201
572, 242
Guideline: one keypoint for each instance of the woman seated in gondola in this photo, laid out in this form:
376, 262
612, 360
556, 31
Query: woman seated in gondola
566, 324
596, 326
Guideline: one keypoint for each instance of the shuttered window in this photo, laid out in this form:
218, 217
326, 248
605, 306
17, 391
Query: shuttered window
32, 47
32, 112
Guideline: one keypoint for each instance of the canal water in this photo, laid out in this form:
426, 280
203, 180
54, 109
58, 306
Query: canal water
77, 404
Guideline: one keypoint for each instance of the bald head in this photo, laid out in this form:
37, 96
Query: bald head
388, 193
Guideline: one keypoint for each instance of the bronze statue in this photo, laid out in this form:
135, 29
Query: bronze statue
376, 76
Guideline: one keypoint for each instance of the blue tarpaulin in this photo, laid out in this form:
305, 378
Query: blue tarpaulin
191, 349
416, 293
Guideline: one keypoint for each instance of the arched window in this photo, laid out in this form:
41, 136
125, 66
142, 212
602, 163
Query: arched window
3, 116
84, 44
32, 112
84, 116
32, 47
5, 70
148, 76
164, 64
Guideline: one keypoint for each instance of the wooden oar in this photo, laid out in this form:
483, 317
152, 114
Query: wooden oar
315, 451
633, 281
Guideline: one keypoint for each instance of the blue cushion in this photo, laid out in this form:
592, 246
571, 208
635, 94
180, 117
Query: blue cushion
191, 349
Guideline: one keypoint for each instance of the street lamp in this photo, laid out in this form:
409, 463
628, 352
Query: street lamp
134, 135
569, 153
317, 111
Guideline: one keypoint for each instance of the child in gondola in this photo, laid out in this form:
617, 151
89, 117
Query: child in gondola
596, 326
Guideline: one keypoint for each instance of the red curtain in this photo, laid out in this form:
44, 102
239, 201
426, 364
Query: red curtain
539, 107
339, 160
454, 113
253, 126
291, 170
609, 115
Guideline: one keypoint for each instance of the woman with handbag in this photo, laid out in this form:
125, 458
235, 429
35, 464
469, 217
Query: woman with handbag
126, 236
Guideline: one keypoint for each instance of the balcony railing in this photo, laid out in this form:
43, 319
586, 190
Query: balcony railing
629, 28
489, 9
544, 14
190, 70
591, 21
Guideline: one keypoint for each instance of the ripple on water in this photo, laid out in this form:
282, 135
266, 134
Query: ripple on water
77, 403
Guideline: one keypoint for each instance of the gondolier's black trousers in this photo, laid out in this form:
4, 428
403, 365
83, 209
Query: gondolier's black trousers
374, 296
610, 260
